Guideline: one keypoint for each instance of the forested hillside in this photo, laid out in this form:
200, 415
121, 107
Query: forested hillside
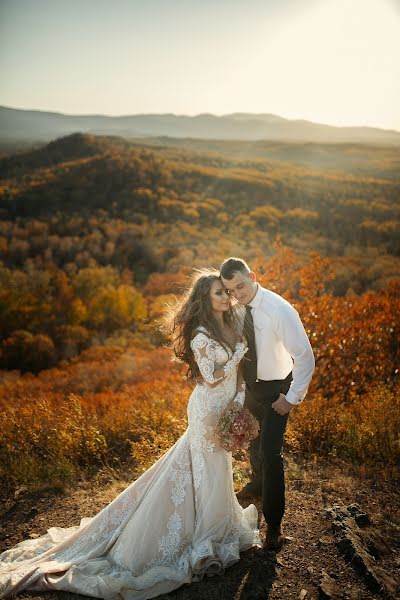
98, 234
114, 194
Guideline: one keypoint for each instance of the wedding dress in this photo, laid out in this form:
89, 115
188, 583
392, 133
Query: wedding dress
177, 522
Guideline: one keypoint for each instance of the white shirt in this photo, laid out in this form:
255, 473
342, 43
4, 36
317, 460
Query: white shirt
281, 342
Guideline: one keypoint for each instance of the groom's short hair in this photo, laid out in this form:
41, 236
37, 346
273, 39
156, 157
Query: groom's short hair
233, 265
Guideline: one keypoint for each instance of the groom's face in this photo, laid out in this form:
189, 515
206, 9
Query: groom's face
242, 286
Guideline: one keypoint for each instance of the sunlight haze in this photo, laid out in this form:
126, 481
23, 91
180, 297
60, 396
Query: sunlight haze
329, 61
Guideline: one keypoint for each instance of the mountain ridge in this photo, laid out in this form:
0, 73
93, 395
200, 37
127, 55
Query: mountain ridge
36, 125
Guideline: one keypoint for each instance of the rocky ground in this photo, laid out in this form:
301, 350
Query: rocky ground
342, 532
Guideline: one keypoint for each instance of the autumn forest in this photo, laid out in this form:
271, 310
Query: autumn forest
98, 234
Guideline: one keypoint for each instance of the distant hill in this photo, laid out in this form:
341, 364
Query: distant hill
32, 126
335, 199
358, 159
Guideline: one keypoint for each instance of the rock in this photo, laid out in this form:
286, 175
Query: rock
327, 586
326, 539
353, 508
361, 545
362, 519
20, 490
303, 594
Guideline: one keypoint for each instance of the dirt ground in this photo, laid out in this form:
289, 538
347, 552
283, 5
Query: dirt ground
312, 564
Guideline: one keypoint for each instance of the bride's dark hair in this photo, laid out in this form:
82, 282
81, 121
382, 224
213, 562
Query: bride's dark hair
194, 310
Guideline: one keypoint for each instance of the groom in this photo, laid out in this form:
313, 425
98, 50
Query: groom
277, 369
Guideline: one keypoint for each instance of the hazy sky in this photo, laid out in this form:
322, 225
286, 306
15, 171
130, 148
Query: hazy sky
330, 61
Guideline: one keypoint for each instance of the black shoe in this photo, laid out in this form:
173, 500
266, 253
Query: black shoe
250, 490
274, 539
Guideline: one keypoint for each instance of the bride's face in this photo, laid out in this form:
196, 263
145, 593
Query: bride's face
219, 297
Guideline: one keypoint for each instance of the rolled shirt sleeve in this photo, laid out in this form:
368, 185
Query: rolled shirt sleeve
290, 330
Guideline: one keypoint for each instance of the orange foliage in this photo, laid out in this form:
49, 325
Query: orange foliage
115, 403
89, 413
355, 340
166, 283
352, 409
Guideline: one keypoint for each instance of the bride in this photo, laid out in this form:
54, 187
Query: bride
178, 521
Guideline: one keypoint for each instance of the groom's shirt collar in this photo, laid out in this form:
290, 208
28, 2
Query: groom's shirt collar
257, 298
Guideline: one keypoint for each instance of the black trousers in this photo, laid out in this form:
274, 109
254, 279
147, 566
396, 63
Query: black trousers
266, 451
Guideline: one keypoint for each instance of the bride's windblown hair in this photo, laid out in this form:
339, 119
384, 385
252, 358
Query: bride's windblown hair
194, 310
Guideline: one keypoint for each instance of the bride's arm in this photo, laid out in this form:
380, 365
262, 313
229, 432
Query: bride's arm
240, 387
240, 377
204, 353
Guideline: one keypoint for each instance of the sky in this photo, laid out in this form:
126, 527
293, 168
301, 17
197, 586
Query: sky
328, 61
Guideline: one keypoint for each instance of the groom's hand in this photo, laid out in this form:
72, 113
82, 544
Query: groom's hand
282, 406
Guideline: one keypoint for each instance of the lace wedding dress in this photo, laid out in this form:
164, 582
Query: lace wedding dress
177, 522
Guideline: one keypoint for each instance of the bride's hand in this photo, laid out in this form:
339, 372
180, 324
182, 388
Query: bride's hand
241, 347
240, 351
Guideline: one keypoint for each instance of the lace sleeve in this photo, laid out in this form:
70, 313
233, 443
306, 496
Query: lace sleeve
204, 353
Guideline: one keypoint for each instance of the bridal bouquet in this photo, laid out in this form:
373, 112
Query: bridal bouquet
236, 427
